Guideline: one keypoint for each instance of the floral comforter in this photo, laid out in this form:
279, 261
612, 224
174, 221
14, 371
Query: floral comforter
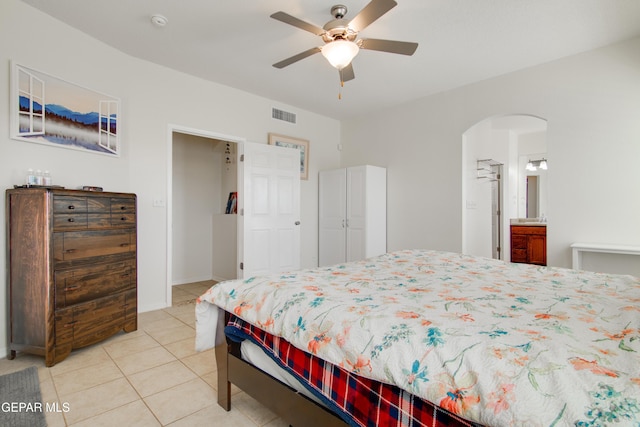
497, 343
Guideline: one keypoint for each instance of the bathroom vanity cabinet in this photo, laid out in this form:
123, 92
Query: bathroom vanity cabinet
529, 244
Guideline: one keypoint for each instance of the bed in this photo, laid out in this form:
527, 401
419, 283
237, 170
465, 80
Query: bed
471, 340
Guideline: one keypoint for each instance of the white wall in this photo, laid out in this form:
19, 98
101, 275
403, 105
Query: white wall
590, 102
153, 98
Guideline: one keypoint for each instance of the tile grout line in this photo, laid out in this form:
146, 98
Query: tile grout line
126, 377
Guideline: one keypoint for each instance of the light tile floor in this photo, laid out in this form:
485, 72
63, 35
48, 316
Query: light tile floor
150, 377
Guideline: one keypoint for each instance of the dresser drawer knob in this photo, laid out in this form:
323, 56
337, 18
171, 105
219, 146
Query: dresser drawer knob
123, 219
123, 208
124, 245
71, 220
70, 251
71, 207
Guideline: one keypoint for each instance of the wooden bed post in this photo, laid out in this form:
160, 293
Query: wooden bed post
224, 386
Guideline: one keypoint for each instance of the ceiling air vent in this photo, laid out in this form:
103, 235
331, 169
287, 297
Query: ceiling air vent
283, 115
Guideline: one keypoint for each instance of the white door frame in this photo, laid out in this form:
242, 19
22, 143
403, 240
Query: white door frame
171, 129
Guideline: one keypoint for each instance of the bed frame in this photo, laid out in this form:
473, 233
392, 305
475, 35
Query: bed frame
293, 407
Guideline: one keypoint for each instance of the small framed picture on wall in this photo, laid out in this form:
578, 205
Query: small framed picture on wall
300, 144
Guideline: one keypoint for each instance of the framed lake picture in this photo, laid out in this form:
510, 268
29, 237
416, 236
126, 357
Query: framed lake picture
51, 111
300, 144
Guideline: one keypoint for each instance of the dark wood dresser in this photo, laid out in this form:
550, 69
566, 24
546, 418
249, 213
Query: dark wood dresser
529, 244
71, 259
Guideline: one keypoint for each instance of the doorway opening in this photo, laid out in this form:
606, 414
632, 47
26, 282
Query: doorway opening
202, 242
489, 204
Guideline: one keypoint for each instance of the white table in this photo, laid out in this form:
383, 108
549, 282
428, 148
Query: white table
579, 248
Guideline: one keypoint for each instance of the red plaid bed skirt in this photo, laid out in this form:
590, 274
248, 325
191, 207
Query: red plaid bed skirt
358, 401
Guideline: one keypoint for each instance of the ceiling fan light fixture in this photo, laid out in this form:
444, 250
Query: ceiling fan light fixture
340, 53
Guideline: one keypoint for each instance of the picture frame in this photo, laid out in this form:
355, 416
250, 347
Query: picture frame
48, 110
291, 142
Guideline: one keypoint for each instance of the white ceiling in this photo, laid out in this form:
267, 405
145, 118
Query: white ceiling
234, 42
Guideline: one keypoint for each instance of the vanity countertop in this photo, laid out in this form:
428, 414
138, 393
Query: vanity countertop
527, 222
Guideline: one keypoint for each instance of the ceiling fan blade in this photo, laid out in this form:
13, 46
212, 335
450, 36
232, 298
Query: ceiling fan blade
296, 58
347, 74
391, 46
292, 20
371, 12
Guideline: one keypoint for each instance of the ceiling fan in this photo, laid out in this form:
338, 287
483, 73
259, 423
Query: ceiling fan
341, 37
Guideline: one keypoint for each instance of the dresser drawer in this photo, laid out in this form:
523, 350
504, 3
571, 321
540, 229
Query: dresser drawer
69, 204
70, 221
93, 213
73, 245
119, 205
82, 284
99, 212
107, 212
69, 212
123, 212
88, 323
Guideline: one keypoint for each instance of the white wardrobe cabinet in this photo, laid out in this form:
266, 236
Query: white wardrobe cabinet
352, 214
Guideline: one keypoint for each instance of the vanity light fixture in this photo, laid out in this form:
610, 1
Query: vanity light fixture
533, 165
543, 164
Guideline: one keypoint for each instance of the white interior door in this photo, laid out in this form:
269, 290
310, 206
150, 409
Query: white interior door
269, 204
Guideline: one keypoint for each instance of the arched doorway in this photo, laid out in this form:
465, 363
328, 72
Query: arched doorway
495, 152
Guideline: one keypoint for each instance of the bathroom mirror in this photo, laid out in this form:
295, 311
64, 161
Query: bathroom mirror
532, 187
533, 196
